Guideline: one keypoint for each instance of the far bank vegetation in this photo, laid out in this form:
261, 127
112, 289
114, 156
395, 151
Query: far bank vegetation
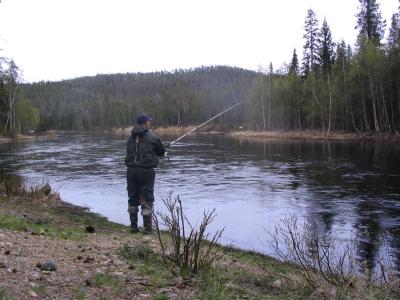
333, 87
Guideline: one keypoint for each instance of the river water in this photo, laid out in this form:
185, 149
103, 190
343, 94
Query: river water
347, 188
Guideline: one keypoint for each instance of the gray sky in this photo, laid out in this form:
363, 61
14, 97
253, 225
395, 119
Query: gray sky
61, 39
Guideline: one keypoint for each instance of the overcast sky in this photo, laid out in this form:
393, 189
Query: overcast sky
61, 39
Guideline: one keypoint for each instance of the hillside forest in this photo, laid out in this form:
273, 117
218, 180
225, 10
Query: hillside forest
334, 87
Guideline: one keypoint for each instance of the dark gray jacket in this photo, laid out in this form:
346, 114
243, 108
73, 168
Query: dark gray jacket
145, 154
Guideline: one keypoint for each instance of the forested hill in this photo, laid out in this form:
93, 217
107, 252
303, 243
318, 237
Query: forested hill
171, 98
335, 86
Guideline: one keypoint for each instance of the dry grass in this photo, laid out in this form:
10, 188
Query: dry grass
316, 135
173, 130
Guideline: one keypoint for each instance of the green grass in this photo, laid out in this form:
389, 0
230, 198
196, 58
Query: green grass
146, 262
212, 286
39, 288
102, 279
140, 252
79, 293
20, 224
2, 293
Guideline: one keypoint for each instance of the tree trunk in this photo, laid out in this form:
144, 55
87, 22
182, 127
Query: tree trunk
363, 102
269, 101
374, 108
330, 105
262, 104
345, 94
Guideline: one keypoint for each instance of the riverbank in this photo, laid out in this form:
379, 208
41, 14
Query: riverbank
290, 134
24, 137
4, 140
94, 258
317, 135
166, 131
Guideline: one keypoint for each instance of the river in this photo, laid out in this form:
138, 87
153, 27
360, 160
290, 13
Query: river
351, 189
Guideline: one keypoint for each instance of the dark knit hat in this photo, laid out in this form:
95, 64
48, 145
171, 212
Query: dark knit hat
143, 118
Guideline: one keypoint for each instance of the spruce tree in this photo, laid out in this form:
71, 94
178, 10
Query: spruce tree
369, 21
294, 65
311, 42
326, 52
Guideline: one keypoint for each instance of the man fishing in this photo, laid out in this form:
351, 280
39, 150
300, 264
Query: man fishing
143, 150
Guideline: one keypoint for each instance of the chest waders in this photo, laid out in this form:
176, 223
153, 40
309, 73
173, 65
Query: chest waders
146, 208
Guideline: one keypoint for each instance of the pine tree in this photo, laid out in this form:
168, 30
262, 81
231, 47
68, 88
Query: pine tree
326, 52
294, 65
311, 42
394, 32
369, 21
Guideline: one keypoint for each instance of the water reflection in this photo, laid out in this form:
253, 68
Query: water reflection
347, 188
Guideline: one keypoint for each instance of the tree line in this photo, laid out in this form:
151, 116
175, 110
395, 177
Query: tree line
335, 86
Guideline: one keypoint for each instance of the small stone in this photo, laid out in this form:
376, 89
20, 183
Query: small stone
277, 284
144, 295
320, 291
104, 263
163, 291
32, 284
46, 272
118, 273
32, 294
48, 266
88, 260
34, 276
88, 282
146, 239
229, 285
2, 265
7, 252
118, 262
89, 229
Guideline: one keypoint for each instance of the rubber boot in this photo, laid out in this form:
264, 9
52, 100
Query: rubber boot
147, 224
133, 216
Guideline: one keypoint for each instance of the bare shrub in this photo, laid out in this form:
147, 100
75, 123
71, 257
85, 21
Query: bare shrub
326, 259
193, 249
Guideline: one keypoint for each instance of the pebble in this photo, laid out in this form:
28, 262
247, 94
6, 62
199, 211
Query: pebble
277, 284
146, 239
32, 294
144, 295
163, 291
48, 266
229, 285
117, 273
2, 265
118, 262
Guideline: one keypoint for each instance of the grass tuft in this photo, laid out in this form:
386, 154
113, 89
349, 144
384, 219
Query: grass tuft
140, 252
2, 293
79, 293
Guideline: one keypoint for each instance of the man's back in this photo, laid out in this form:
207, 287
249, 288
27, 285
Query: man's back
143, 148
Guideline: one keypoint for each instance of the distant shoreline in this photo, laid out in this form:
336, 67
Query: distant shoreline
289, 134
313, 135
317, 135
22, 137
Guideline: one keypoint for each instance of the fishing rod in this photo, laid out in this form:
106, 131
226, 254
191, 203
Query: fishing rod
204, 123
